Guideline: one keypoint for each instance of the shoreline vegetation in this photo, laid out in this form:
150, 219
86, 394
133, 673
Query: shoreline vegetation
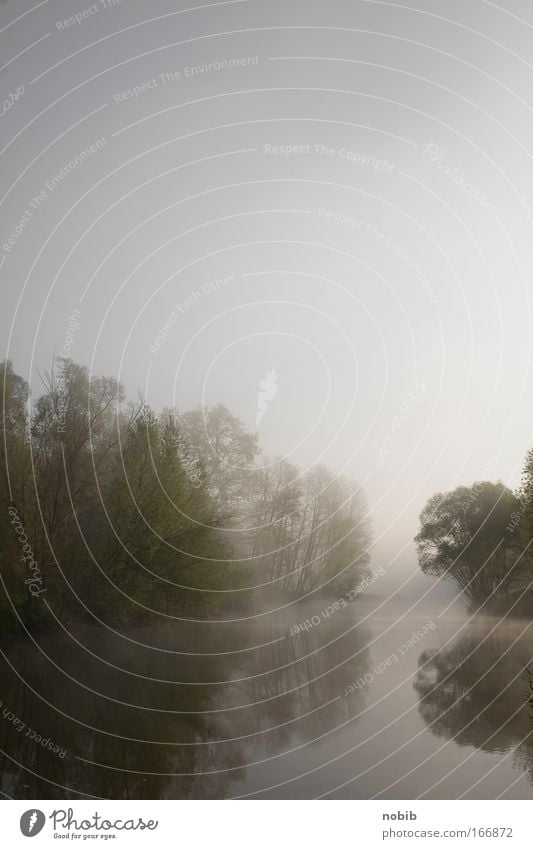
128, 515
479, 537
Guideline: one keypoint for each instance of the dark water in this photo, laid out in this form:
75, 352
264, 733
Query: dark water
377, 700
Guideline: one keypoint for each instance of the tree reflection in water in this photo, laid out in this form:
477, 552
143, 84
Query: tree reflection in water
130, 731
473, 692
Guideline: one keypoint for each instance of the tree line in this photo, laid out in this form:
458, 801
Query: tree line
480, 537
115, 512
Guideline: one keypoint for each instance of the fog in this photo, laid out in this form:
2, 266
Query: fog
183, 193
317, 215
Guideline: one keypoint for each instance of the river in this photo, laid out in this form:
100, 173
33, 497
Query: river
384, 698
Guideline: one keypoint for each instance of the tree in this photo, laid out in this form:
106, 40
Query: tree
219, 448
130, 513
522, 519
74, 429
16, 468
466, 536
309, 531
163, 535
16, 501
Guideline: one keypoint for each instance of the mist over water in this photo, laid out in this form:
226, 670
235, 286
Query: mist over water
266, 486
385, 699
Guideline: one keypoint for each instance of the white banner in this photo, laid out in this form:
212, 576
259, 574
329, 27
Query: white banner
267, 824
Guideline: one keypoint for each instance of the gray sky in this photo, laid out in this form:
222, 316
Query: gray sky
341, 192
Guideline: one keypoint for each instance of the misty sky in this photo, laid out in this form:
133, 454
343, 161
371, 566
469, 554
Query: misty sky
341, 192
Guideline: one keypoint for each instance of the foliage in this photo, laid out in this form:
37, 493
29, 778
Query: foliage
467, 536
133, 515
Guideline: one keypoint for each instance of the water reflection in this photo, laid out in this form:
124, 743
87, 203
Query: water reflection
472, 691
237, 709
169, 712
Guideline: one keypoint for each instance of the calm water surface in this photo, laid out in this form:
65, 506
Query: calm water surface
376, 700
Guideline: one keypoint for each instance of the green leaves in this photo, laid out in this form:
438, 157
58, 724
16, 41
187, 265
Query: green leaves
466, 536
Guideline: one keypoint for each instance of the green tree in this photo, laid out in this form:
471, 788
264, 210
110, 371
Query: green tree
465, 536
16, 493
219, 448
163, 529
